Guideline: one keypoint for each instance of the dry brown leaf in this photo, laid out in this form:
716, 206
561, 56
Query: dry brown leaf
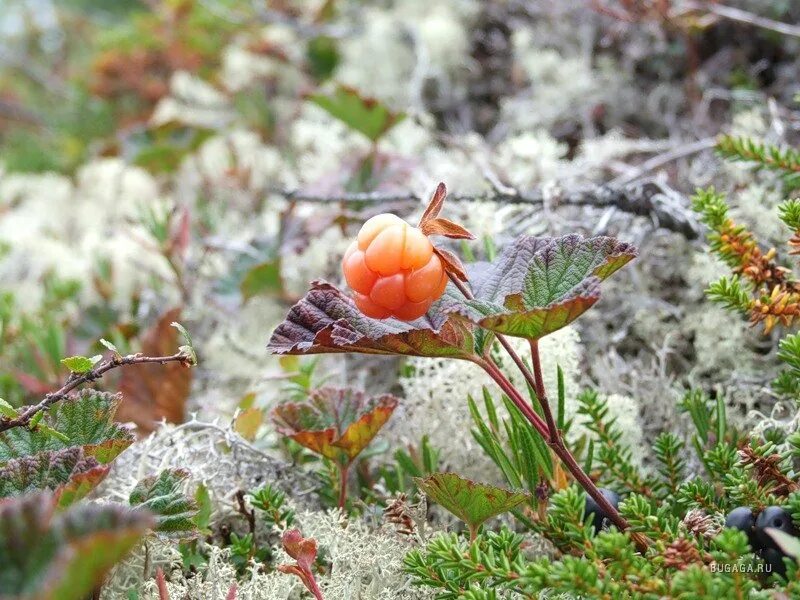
435, 204
452, 264
151, 392
447, 228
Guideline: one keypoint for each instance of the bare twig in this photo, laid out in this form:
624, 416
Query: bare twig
660, 160
742, 16
77, 379
647, 199
250, 515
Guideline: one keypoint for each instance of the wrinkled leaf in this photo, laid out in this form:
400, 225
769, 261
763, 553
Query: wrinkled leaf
366, 115
86, 420
326, 320
62, 556
163, 496
7, 410
152, 392
535, 287
335, 422
539, 285
67, 472
471, 502
79, 364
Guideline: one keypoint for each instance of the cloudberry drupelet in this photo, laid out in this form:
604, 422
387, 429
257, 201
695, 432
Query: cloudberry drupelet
393, 270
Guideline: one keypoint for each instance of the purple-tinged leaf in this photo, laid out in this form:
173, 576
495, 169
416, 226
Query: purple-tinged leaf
326, 320
536, 286
53, 556
69, 473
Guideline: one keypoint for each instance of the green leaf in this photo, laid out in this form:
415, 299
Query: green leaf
188, 348
365, 115
109, 346
337, 423
204, 508
79, 364
262, 279
67, 472
471, 502
62, 556
539, 285
7, 410
248, 422
323, 56
85, 420
163, 495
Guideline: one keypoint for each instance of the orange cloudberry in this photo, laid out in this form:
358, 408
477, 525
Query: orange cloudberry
393, 270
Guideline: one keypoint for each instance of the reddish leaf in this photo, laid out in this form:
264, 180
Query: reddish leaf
304, 552
435, 205
326, 320
152, 392
535, 287
447, 228
81, 484
452, 264
337, 423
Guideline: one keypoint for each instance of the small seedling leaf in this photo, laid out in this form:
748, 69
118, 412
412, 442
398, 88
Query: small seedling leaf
471, 502
78, 364
163, 496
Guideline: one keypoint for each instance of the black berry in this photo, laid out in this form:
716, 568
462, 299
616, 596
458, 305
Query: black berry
742, 518
599, 516
774, 517
774, 560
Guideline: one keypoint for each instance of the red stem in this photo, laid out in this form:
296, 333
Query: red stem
541, 393
343, 469
555, 442
508, 388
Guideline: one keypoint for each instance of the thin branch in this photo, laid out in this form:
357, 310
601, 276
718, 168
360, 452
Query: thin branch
662, 159
250, 515
742, 16
77, 379
648, 199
